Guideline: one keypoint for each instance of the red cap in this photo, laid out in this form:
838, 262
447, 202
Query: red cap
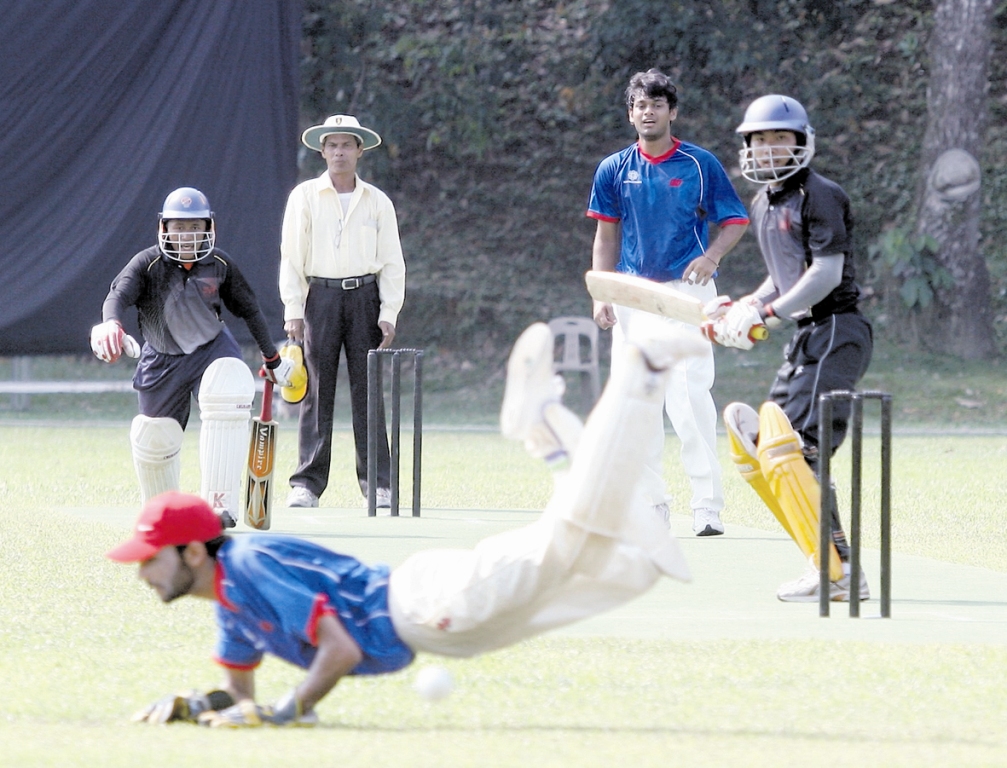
167, 520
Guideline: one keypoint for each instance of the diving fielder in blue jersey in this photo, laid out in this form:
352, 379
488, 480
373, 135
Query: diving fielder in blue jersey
654, 202
596, 545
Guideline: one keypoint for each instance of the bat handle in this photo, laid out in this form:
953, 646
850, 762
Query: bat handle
759, 333
267, 401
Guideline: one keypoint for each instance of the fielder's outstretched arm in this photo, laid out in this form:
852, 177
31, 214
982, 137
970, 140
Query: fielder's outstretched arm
338, 654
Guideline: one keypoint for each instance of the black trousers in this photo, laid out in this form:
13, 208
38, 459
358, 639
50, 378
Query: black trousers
166, 384
832, 353
337, 320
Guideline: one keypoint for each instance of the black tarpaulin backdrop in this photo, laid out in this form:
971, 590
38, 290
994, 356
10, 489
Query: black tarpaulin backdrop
108, 105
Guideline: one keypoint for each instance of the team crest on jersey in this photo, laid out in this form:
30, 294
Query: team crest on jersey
675, 183
632, 177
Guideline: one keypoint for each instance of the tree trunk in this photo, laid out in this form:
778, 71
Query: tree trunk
960, 320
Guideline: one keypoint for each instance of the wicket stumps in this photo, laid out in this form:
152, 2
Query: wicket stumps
825, 410
375, 398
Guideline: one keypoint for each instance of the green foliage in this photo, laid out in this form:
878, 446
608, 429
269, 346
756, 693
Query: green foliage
495, 114
912, 263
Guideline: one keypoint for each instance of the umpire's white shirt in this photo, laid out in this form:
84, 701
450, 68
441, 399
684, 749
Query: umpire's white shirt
322, 239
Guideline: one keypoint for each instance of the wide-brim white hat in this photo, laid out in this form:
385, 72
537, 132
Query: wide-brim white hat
315, 135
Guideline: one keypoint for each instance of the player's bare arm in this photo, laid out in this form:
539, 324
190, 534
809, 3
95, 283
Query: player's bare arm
337, 655
701, 269
604, 257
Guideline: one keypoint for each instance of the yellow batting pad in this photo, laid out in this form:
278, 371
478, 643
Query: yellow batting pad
792, 482
742, 424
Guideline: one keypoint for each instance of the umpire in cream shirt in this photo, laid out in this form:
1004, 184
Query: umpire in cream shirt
342, 283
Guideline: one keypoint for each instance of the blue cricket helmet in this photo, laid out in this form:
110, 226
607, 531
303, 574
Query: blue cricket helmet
186, 203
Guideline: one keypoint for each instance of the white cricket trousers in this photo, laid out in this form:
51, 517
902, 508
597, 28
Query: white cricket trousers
688, 402
597, 545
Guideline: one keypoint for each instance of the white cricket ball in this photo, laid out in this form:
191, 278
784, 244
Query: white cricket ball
434, 683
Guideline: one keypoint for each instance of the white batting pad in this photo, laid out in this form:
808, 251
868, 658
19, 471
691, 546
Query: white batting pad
225, 405
157, 457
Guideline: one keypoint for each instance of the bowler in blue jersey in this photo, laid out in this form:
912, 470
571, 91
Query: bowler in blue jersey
654, 203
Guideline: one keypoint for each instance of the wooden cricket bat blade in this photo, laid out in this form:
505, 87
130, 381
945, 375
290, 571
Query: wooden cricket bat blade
646, 295
640, 293
261, 462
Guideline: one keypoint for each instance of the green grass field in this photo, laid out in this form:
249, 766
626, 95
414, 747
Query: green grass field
85, 643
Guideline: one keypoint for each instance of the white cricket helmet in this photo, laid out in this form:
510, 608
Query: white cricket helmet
186, 203
775, 113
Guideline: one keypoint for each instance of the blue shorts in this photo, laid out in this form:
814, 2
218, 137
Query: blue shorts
165, 383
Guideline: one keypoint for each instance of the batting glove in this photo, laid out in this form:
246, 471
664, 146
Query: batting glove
739, 328
106, 341
717, 308
109, 341
277, 370
183, 707
247, 714
766, 312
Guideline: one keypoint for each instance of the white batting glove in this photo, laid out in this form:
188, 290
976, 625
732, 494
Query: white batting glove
765, 311
106, 341
717, 308
278, 371
130, 346
738, 328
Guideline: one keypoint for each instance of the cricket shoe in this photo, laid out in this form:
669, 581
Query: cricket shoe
532, 410
706, 522
805, 589
383, 497
301, 497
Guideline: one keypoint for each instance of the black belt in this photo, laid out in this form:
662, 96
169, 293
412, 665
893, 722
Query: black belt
346, 283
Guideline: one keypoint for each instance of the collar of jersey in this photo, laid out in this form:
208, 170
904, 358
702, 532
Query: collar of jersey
676, 143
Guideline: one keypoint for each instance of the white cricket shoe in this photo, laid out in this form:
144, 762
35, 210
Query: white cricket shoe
383, 498
805, 589
532, 411
706, 522
301, 497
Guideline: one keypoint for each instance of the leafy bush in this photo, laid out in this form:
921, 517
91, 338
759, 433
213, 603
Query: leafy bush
495, 113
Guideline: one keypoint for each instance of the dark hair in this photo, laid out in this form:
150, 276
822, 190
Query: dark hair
655, 84
212, 546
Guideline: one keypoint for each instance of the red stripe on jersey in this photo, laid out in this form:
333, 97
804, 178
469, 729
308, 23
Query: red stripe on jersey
243, 667
733, 222
601, 217
321, 607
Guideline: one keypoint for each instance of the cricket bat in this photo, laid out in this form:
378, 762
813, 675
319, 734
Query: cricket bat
640, 293
261, 460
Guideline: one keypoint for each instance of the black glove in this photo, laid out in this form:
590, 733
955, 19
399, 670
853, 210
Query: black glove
185, 707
